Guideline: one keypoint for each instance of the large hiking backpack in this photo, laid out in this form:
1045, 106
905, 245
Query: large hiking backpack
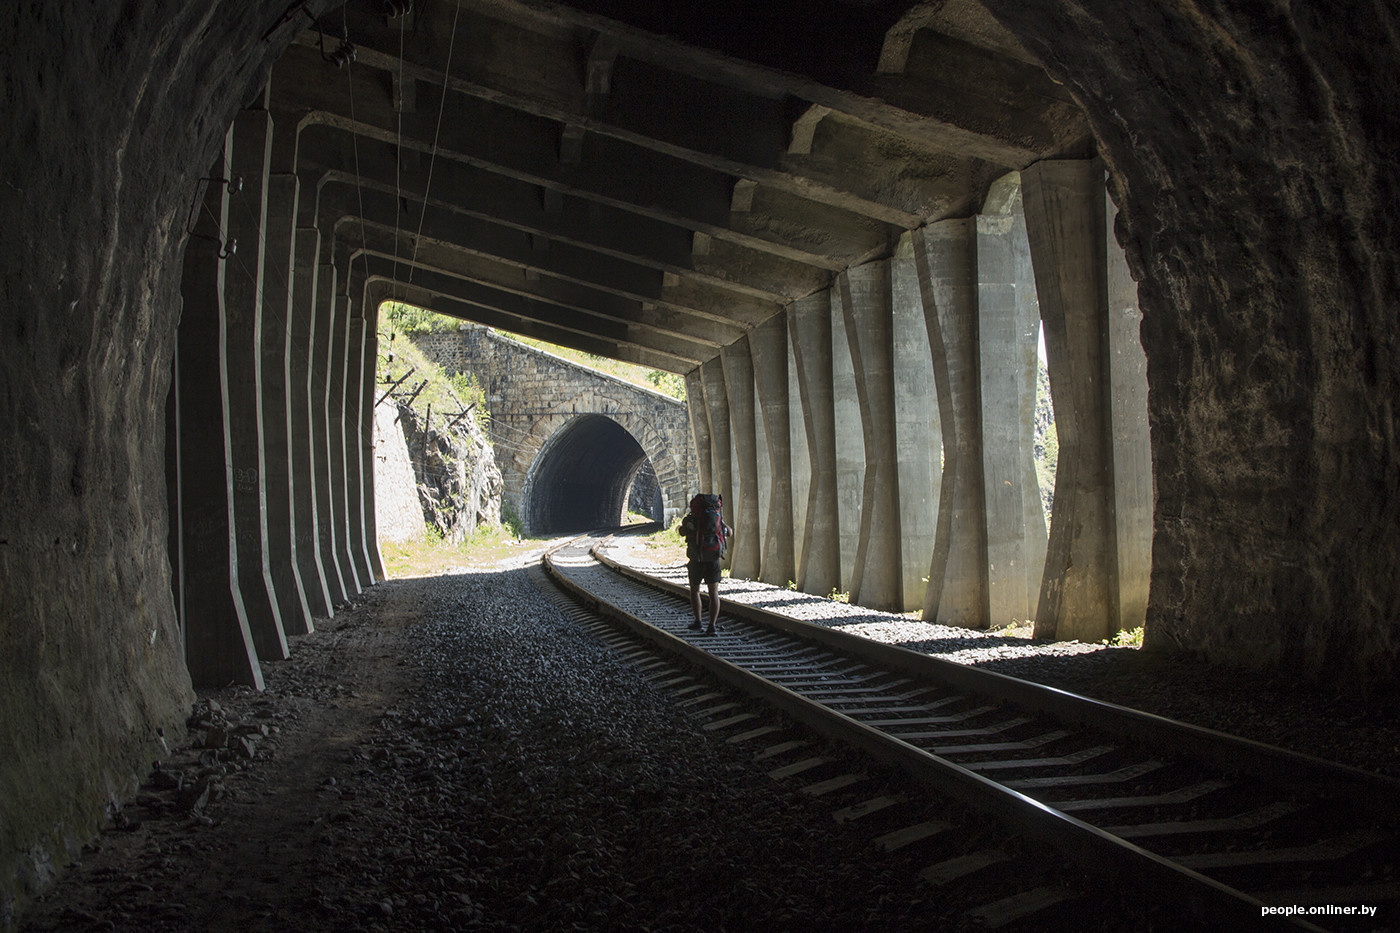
710, 543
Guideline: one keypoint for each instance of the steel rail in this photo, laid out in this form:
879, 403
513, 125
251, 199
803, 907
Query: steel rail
1208, 901
1375, 795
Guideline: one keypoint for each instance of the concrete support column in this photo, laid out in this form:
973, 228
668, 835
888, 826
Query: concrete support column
946, 256
850, 442
1009, 327
219, 647
369, 365
243, 311
1064, 204
877, 576
721, 439
746, 552
327, 486
297, 270
338, 394
354, 410
919, 433
279, 239
699, 428
1133, 500
800, 457
306, 392
769, 344
809, 324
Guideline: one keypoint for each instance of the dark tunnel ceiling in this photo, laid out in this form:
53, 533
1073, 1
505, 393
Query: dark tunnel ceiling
650, 185
580, 479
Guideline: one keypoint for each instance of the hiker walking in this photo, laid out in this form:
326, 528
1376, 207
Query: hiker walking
706, 541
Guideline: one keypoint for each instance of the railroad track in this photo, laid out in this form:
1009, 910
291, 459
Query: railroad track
1219, 828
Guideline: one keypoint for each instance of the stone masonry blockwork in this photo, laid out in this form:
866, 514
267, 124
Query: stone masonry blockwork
532, 394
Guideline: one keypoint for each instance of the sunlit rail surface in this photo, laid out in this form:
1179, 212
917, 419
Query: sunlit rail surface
1218, 828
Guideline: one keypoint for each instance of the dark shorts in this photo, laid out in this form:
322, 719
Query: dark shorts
703, 571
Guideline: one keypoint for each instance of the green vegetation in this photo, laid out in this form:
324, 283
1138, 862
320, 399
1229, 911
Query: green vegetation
664, 382
431, 556
838, 596
665, 545
511, 521
667, 383
448, 395
410, 319
1016, 628
402, 320
1128, 638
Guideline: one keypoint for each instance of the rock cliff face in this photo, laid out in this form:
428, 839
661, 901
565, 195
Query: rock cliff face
398, 515
1251, 150
459, 484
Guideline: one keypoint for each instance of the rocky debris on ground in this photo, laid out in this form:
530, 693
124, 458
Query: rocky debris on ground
456, 752
193, 776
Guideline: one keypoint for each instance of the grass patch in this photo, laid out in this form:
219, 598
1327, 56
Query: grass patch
1016, 628
446, 395
654, 379
1128, 638
431, 556
664, 546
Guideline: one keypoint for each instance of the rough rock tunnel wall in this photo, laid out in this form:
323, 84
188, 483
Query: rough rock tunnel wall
1252, 154
112, 114
1252, 150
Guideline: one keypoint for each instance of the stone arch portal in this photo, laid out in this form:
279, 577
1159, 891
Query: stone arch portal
580, 477
555, 423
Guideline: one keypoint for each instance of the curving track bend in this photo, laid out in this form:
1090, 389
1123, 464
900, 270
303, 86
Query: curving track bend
1209, 827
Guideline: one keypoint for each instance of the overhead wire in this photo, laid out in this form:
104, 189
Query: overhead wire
496, 426
398, 159
334, 382
337, 383
437, 132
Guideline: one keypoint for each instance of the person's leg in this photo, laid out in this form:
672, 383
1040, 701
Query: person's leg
694, 598
714, 602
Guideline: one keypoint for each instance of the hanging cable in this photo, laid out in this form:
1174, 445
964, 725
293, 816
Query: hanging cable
229, 246
398, 162
355, 144
342, 55
432, 158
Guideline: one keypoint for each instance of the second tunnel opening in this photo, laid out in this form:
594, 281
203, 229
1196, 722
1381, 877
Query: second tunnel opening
581, 477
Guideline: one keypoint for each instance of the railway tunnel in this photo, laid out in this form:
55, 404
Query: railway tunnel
577, 448
203, 208
582, 477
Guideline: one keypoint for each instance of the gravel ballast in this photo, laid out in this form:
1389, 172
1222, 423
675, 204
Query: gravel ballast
455, 752
1327, 720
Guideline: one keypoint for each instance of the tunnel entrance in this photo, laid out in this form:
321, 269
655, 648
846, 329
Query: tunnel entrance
581, 477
